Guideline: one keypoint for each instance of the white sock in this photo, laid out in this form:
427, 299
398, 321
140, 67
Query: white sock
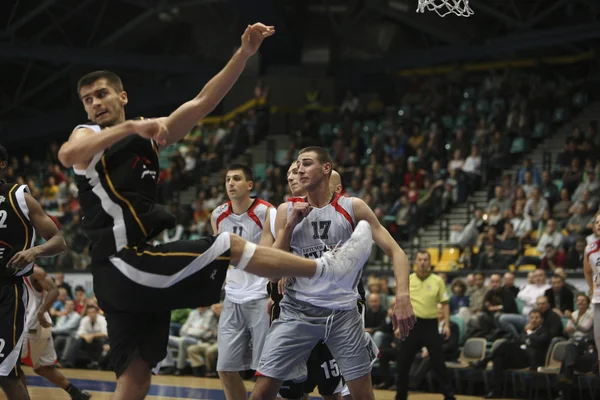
320, 269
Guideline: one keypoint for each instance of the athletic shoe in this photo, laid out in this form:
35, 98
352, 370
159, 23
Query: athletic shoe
343, 264
82, 396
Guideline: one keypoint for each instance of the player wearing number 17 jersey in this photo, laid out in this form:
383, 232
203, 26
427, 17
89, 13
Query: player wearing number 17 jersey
312, 311
20, 218
591, 270
243, 322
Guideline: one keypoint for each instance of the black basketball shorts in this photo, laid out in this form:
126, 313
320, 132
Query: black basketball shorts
138, 288
13, 306
323, 373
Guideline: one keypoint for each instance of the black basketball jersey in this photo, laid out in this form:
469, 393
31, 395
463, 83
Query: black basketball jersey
16, 231
117, 193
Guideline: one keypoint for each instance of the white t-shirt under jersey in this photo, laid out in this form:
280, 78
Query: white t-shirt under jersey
321, 230
241, 286
592, 253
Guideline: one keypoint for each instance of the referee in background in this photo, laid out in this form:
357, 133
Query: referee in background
427, 290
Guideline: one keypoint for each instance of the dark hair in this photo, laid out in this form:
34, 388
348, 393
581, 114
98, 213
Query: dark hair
244, 168
584, 295
423, 251
479, 273
79, 288
536, 311
322, 154
3, 153
112, 79
460, 283
558, 276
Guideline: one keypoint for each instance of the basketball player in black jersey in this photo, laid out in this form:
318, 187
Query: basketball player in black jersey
21, 217
137, 285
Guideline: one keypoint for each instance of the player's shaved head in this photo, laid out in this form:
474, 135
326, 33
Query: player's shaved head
335, 182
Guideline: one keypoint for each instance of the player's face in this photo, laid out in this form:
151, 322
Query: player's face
237, 186
311, 172
103, 104
294, 180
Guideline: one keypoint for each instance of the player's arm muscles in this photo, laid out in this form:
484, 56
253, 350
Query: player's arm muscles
213, 224
266, 237
183, 119
284, 232
83, 143
588, 273
386, 242
45, 227
48, 285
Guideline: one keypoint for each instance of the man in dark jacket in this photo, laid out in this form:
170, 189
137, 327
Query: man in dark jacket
529, 351
375, 316
560, 297
552, 321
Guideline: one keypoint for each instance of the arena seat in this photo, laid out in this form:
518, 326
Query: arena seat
531, 252
552, 367
434, 253
527, 267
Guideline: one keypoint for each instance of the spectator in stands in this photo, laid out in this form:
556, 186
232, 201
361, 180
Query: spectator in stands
560, 210
521, 223
575, 254
375, 316
497, 301
528, 351
553, 258
463, 236
528, 296
549, 189
560, 297
528, 184
459, 301
573, 175
577, 224
490, 260
528, 167
508, 282
81, 300
91, 338
508, 244
200, 326
550, 236
499, 200
203, 355
65, 327
58, 308
578, 330
384, 286
389, 352
477, 294
535, 206
59, 279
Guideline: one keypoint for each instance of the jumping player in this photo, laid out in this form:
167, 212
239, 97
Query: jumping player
38, 348
591, 270
243, 322
311, 312
21, 217
116, 167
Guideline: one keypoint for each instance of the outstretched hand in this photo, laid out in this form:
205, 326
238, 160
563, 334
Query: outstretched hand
404, 318
253, 37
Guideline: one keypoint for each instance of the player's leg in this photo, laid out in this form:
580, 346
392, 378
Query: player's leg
287, 348
233, 340
353, 352
326, 372
138, 343
13, 304
597, 330
42, 356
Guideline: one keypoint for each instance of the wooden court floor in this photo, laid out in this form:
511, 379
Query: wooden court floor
101, 385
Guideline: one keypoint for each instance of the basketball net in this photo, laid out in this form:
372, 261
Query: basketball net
445, 7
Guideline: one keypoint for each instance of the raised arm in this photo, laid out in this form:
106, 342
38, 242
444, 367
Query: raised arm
44, 226
404, 316
182, 120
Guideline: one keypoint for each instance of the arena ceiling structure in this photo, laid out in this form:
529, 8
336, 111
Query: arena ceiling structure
164, 48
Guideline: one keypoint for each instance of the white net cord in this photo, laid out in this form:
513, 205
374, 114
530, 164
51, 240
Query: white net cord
445, 7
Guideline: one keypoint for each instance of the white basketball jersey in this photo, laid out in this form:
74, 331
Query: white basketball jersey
320, 231
592, 253
36, 300
240, 286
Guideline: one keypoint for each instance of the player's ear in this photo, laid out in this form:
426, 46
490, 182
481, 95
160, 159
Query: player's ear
250, 185
123, 97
